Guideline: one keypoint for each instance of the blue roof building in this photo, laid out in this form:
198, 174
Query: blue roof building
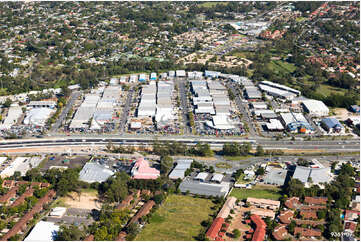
153, 76
212, 74
355, 108
331, 124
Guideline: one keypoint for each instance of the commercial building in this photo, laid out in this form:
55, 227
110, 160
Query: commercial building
252, 92
203, 188
38, 116
331, 125
43, 231
94, 172
212, 74
179, 170
315, 108
276, 92
42, 104
221, 122
274, 125
153, 76
281, 87
312, 175
85, 112
14, 113
180, 73
296, 122
276, 177
22, 165
142, 170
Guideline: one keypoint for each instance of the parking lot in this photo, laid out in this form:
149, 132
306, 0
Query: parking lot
62, 160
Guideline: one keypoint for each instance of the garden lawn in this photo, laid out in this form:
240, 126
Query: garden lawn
178, 218
257, 192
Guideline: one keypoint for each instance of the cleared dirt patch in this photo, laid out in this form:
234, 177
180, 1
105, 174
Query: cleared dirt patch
86, 200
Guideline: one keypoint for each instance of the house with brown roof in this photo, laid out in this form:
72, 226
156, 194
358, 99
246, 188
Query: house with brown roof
90, 237
304, 232
227, 207
121, 236
306, 214
280, 232
126, 202
316, 200
9, 195
293, 203
8, 183
286, 216
144, 210
263, 212
264, 203
21, 199
21, 224
351, 215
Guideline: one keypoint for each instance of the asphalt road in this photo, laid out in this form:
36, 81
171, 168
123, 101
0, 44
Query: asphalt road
242, 109
183, 100
126, 109
74, 96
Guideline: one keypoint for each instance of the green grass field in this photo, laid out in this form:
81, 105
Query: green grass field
282, 67
224, 165
211, 4
257, 192
178, 218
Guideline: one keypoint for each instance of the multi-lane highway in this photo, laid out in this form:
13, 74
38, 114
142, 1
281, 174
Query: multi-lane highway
327, 145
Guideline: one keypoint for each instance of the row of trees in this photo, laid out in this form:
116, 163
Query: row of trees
176, 148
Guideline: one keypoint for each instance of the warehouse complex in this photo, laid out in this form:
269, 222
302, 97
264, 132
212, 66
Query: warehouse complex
96, 109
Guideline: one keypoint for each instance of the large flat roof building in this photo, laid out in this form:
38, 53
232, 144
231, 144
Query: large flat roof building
202, 188
94, 172
43, 231
315, 107
276, 177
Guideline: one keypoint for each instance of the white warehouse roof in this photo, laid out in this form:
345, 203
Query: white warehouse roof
43, 231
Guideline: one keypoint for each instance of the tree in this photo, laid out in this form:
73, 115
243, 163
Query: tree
68, 233
259, 151
7, 103
321, 214
236, 233
166, 164
295, 188
260, 171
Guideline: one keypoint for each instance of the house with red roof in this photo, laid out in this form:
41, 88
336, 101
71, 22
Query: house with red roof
260, 231
216, 226
142, 170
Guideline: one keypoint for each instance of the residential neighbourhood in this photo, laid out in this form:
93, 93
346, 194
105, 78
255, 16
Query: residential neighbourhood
180, 121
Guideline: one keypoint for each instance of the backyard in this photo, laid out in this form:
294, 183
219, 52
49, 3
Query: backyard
258, 191
175, 219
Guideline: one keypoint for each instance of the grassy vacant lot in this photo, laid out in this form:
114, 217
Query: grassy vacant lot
224, 165
282, 67
178, 218
211, 4
257, 192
